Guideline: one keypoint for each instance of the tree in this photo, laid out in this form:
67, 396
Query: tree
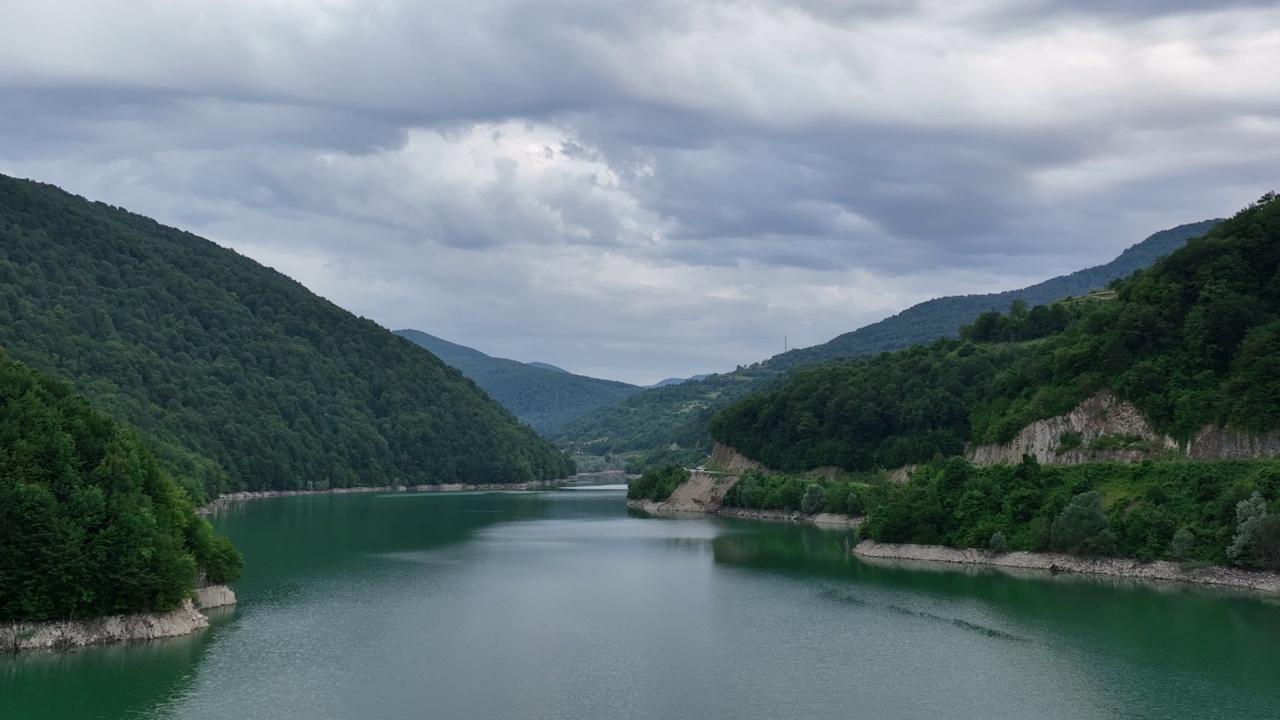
1249, 515
1182, 545
1081, 529
853, 504
999, 543
814, 499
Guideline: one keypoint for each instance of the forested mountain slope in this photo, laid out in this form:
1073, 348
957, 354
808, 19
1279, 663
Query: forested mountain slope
1193, 341
680, 414
545, 398
942, 317
89, 524
214, 356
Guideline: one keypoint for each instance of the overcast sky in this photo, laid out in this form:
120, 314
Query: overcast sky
637, 189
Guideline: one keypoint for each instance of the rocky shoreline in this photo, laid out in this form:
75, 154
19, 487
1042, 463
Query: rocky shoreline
1128, 568
667, 508
69, 634
228, 498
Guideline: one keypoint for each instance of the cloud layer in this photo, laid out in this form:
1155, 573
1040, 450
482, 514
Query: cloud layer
642, 190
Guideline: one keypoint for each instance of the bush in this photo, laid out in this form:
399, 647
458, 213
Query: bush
814, 499
998, 543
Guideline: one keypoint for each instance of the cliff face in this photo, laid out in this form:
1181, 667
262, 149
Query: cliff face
1215, 443
1099, 422
1103, 429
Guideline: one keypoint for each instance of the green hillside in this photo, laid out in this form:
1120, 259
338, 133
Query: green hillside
681, 413
89, 524
234, 373
1192, 341
544, 397
942, 317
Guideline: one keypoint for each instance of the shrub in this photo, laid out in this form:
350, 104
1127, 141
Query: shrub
998, 543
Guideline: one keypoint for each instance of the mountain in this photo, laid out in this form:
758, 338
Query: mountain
942, 317
543, 396
236, 375
1193, 342
676, 381
546, 366
89, 524
680, 413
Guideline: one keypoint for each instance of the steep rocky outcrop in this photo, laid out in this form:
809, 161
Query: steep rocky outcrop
1215, 443
1056, 563
1108, 430
1096, 420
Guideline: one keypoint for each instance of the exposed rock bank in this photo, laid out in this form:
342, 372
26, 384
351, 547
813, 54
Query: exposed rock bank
1102, 418
1053, 562
67, 634
1099, 417
726, 458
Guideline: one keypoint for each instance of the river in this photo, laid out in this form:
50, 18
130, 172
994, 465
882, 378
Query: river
564, 604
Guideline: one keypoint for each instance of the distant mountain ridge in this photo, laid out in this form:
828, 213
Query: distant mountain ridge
680, 413
237, 375
542, 396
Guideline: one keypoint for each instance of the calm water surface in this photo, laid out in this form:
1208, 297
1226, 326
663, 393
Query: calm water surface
563, 605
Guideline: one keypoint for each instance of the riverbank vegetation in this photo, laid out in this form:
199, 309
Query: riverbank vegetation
1217, 512
89, 523
1193, 341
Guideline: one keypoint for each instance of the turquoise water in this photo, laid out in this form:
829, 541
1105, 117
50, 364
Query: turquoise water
564, 604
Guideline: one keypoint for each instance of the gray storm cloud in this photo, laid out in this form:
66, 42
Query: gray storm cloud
643, 190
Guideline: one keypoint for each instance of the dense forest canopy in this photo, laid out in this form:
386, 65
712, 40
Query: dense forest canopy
681, 414
89, 523
235, 374
545, 398
1192, 341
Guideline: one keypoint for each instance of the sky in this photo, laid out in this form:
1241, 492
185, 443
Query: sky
646, 189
